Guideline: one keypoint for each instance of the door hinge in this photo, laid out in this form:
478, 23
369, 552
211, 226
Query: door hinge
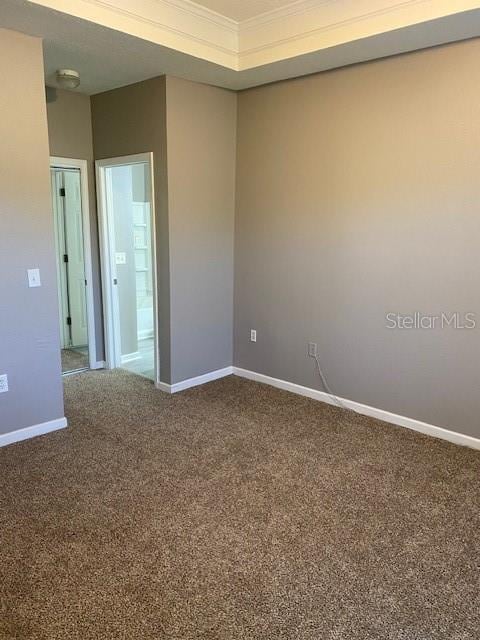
62, 191
69, 321
65, 257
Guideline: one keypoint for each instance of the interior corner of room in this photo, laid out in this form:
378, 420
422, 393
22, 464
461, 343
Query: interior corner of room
239, 303
157, 184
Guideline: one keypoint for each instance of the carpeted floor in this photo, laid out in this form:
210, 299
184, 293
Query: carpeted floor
234, 511
73, 359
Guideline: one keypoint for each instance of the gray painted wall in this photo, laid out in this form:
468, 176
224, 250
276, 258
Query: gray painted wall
133, 120
358, 194
201, 124
70, 136
30, 343
194, 126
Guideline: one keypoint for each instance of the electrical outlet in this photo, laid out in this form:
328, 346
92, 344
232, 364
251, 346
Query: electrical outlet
253, 335
3, 383
312, 349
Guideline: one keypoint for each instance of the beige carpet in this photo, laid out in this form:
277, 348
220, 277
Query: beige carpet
73, 360
234, 511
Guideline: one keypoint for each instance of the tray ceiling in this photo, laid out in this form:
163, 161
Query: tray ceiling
240, 10
113, 43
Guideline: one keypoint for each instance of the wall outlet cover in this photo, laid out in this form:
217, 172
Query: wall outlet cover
312, 349
253, 335
3, 383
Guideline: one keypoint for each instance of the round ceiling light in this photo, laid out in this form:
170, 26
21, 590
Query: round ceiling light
68, 78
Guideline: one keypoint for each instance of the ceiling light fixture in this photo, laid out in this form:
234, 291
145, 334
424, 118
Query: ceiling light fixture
68, 78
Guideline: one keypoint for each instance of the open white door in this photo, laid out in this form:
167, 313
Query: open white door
74, 263
127, 226
76, 259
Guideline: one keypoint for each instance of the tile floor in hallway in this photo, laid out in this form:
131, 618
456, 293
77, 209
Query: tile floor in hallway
144, 365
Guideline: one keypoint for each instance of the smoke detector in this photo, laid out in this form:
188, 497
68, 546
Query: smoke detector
68, 78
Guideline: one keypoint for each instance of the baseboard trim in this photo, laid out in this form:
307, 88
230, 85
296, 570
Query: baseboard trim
145, 335
194, 382
366, 410
99, 365
130, 357
32, 432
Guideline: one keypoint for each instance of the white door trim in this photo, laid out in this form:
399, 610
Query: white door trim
82, 165
112, 354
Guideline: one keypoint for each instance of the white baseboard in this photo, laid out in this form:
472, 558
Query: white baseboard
145, 335
194, 382
100, 364
32, 432
130, 357
372, 412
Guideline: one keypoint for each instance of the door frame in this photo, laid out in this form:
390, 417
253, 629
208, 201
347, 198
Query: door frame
58, 218
110, 314
57, 162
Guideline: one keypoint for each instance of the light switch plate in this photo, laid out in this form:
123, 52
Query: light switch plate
120, 258
34, 278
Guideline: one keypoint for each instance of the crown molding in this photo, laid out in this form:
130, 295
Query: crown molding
303, 27
297, 8
203, 13
313, 11
181, 25
168, 14
314, 25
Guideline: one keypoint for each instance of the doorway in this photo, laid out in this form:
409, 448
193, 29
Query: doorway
73, 263
127, 225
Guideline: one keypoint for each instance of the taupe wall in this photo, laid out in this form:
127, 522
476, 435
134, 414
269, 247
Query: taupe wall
30, 343
132, 120
194, 125
70, 136
358, 194
201, 123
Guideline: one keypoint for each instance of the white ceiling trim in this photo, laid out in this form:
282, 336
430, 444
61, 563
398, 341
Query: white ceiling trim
296, 8
313, 25
189, 7
178, 24
302, 27
216, 31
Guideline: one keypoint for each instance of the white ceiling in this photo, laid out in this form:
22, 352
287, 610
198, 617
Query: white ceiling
244, 9
112, 47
